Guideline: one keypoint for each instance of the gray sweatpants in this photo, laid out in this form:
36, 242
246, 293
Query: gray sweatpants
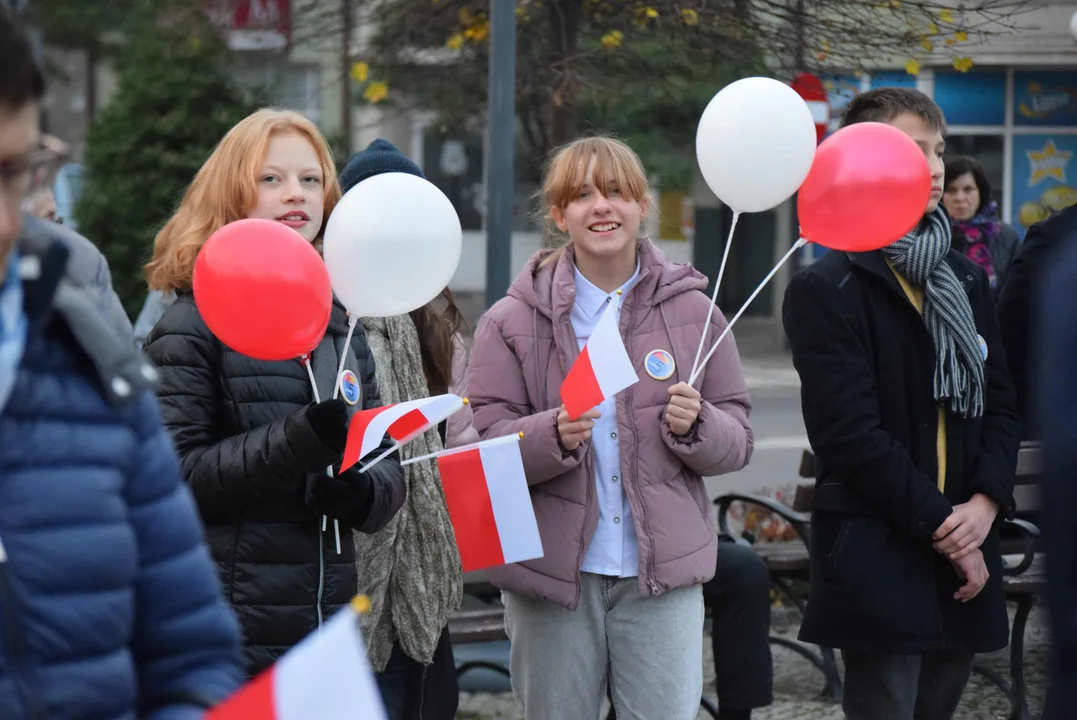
649, 649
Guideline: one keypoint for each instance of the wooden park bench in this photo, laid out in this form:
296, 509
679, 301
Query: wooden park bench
1023, 569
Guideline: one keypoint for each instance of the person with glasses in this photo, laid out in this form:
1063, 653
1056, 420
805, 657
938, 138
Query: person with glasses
112, 607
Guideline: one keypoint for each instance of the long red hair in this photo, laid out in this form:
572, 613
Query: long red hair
226, 188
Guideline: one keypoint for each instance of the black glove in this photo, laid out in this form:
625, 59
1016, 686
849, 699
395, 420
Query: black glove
347, 498
329, 421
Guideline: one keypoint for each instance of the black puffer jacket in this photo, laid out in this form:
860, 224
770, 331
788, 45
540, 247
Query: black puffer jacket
250, 453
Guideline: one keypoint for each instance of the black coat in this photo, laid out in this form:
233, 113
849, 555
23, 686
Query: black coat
1003, 248
866, 363
1056, 350
248, 453
1017, 319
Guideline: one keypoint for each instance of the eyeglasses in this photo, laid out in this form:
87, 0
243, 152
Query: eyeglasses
26, 178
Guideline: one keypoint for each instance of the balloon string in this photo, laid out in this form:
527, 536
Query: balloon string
714, 297
796, 246
352, 321
328, 470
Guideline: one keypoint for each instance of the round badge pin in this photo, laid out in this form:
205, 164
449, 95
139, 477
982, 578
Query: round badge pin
983, 345
349, 387
659, 364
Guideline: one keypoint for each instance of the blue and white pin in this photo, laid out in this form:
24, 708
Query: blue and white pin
349, 387
983, 345
659, 364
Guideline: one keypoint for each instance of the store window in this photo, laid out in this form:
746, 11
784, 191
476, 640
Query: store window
1045, 98
453, 162
988, 149
894, 79
974, 98
840, 91
1042, 182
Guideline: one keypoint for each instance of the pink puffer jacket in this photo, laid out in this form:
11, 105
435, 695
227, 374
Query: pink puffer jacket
524, 346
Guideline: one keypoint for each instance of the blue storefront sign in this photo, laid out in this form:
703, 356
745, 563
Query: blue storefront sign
1044, 176
1045, 98
892, 78
974, 98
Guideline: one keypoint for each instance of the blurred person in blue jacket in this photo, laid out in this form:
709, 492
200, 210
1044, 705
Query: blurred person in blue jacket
109, 605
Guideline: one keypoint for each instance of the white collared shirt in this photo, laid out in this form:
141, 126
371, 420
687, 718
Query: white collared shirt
614, 549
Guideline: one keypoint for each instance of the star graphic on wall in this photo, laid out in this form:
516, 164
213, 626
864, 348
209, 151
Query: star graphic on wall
1049, 162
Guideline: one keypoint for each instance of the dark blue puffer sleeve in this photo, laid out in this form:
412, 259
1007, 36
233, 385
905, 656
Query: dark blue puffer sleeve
186, 641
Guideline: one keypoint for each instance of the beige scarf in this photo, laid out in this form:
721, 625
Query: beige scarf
411, 569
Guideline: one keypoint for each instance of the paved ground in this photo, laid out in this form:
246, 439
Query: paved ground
797, 686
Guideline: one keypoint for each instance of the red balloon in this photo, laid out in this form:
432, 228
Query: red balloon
869, 185
263, 290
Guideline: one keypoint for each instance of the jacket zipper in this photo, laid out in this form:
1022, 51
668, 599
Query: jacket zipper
14, 644
629, 392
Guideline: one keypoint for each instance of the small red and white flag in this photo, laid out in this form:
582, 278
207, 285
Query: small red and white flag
602, 369
326, 676
489, 503
402, 421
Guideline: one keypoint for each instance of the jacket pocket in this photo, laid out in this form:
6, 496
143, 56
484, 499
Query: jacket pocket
874, 585
832, 567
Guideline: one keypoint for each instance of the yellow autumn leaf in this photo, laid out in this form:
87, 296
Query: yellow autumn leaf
826, 46
926, 43
895, 4
612, 39
376, 92
932, 29
359, 71
455, 42
690, 16
652, 13
478, 32
949, 41
946, 15
962, 64
912, 66
961, 36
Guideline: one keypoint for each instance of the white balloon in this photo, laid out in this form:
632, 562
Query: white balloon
755, 143
391, 245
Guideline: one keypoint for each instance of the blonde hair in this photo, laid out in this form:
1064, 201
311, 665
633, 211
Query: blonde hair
226, 188
615, 164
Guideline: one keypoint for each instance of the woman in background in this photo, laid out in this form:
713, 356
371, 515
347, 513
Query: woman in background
977, 229
411, 569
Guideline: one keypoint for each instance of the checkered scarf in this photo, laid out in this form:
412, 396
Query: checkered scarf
959, 363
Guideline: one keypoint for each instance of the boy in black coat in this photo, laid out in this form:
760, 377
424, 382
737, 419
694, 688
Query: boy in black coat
910, 409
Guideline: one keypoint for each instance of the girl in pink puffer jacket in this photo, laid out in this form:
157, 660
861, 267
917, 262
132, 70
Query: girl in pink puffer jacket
622, 510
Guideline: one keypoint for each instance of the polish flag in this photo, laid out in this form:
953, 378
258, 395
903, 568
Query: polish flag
402, 421
490, 504
602, 369
326, 676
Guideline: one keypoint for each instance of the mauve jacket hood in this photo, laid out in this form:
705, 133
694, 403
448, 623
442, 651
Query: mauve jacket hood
524, 346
